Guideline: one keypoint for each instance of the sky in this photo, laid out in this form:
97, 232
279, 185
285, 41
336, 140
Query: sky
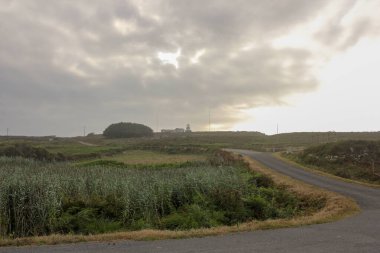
240, 65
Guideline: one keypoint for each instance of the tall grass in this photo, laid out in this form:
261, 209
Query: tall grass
38, 198
34, 194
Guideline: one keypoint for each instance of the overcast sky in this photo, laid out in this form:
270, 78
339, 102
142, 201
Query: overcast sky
306, 65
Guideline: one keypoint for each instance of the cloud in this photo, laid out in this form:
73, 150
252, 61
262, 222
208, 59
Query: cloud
67, 64
347, 22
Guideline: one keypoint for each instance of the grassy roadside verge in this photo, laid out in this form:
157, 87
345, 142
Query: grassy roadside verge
317, 171
336, 207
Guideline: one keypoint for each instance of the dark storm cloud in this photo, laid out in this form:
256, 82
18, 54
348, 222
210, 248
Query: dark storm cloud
65, 64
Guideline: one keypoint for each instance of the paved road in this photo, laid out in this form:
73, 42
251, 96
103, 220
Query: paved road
360, 233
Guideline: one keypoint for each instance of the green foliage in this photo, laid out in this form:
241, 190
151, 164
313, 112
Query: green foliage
86, 220
127, 130
38, 198
28, 151
192, 216
108, 163
261, 180
259, 207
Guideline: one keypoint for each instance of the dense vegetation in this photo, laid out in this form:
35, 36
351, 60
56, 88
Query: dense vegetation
359, 160
127, 130
28, 151
38, 198
25, 150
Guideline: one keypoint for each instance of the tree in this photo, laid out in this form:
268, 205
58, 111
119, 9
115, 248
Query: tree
127, 130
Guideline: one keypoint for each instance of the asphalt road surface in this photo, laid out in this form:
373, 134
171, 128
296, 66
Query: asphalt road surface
360, 233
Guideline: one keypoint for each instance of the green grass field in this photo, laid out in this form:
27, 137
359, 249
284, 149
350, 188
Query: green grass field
190, 143
152, 157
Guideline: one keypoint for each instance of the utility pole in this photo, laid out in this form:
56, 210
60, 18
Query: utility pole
209, 120
157, 123
7, 132
274, 149
84, 131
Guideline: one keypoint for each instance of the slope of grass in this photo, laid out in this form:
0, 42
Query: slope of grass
356, 160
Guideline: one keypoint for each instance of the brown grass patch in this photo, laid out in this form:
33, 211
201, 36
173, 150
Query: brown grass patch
337, 206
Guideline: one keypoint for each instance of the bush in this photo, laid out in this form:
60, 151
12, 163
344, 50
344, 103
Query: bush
27, 151
190, 217
261, 180
259, 207
127, 130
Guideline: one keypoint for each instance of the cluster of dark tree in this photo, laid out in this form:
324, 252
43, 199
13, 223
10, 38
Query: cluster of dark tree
127, 130
27, 151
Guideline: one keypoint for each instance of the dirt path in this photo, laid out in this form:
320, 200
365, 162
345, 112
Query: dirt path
88, 144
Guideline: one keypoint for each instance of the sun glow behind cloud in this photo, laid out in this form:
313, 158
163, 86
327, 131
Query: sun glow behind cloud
346, 100
169, 58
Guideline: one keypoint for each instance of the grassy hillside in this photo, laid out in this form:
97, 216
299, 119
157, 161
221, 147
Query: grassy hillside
196, 142
307, 139
358, 160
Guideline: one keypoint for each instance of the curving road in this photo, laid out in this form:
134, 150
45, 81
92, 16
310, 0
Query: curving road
360, 233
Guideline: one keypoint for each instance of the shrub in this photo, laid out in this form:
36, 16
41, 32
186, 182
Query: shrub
261, 180
259, 207
27, 151
192, 216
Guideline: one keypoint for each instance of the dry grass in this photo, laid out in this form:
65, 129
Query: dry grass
151, 157
337, 206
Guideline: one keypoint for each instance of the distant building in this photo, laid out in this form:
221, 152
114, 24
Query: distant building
176, 130
188, 130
